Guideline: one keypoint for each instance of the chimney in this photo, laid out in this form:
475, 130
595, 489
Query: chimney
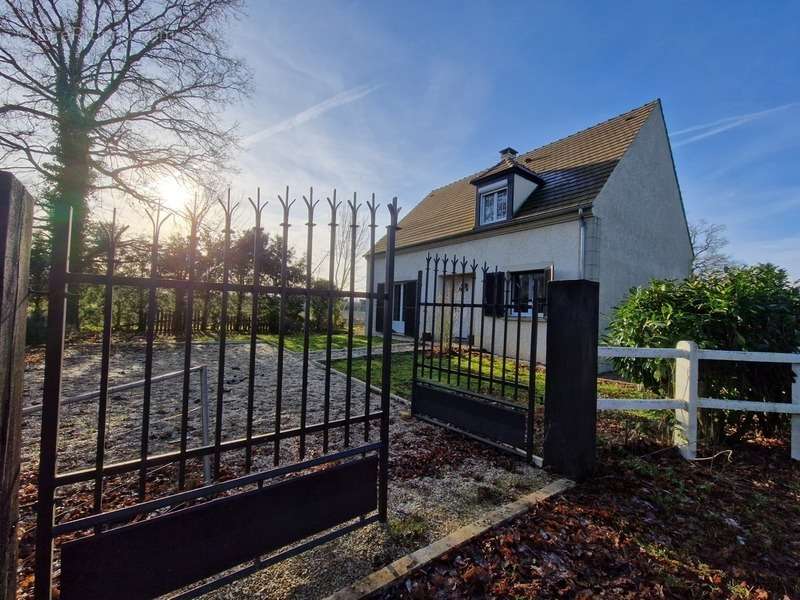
508, 154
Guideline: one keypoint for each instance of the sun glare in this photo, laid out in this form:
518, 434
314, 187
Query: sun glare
173, 192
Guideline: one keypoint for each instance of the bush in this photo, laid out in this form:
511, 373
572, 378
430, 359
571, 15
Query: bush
744, 308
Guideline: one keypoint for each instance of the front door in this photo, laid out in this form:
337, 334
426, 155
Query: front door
454, 287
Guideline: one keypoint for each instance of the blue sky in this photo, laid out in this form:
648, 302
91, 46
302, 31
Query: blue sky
398, 98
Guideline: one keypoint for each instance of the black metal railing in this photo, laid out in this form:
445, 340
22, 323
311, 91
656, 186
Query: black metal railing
229, 474
470, 374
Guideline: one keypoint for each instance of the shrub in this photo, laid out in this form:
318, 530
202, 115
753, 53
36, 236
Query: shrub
743, 308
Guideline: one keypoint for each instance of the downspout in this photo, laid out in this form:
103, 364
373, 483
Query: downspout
581, 245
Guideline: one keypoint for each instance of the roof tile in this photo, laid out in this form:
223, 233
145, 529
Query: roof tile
574, 170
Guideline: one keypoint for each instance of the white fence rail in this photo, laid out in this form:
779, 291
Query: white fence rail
687, 399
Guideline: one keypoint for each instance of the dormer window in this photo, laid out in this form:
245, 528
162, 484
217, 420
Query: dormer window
501, 190
494, 206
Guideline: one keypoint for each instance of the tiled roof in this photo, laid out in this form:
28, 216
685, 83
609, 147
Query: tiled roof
574, 170
505, 165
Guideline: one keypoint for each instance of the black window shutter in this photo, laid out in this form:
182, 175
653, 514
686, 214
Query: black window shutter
494, 294
488, 294
499, 294
409, 306
379, 308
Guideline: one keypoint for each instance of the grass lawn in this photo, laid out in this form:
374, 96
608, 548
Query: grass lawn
402, 364
292, 342
318, 341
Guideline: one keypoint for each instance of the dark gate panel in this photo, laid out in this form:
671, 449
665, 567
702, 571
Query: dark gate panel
153, 557
478, 416
157, 555
468, 352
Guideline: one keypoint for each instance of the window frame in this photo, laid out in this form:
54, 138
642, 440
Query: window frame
547, 273
493, 194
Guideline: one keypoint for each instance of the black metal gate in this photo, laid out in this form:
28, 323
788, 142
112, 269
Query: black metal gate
312, 493
474, 362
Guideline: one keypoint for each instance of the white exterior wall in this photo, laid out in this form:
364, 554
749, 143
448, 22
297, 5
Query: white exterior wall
641, 227
537, 248
522, 189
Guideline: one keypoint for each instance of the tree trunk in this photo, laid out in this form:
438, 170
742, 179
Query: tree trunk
72, 184
239, 303
178, 325
204, 314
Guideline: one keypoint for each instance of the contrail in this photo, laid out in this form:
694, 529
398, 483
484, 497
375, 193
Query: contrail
717, 127
311, 113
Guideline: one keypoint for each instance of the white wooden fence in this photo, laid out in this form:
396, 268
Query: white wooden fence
687, 399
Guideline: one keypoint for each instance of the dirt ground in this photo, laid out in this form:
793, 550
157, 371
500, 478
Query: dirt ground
648, 525
438, 480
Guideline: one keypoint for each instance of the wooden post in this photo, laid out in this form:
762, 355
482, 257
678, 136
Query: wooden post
686, 377
796, 417
570, 407
16, 220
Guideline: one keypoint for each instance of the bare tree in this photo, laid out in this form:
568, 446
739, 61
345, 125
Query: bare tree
341, 258
708, 241
110, 95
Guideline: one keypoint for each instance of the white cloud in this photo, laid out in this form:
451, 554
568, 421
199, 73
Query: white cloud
311, 113
716, 127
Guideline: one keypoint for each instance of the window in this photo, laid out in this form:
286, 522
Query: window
397, 302
494, 206
524, 286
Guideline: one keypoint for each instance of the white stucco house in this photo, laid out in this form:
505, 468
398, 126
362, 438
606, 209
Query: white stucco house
602, 204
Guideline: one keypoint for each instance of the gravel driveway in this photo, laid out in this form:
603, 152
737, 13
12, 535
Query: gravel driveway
438, 480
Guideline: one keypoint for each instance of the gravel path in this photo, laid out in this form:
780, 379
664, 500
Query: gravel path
438, 480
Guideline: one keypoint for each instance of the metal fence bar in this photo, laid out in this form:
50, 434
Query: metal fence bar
461, 319
532, 375
386, 367
370, 315
516, 354
286, 204
484, 271
354, 206
415, 362
473, 267
54, 354
105, 356
506, 294
494, 322
228, 209
433, 312
152, 306
441, 324
334, 206
187, 353
452, 315
128, 512
310, 205
421, 333
205, 421
258, 207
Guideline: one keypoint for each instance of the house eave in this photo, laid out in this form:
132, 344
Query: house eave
540, 219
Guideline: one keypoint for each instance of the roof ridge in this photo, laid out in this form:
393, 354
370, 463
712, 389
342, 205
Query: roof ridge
584, 130
526, 153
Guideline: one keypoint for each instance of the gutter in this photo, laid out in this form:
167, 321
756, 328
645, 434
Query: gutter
543, 219
581, 245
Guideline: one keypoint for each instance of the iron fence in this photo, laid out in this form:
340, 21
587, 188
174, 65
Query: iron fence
248, 511
461, 380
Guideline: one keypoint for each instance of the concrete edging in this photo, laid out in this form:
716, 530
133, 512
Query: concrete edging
419, 558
